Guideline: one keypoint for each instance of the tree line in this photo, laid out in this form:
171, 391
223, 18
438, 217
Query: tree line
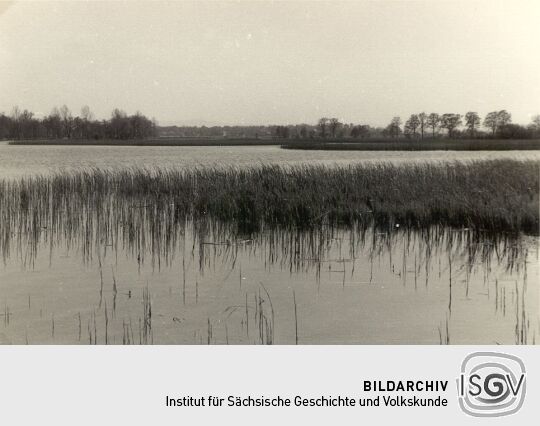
498, 124
62, 124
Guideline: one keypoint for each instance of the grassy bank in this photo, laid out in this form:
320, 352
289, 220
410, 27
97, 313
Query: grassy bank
426, 145
498, 195
150, 142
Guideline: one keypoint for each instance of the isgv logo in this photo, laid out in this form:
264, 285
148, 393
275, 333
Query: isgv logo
491, 384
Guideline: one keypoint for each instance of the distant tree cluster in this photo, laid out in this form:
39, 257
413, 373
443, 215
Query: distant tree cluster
282, 132
61, 124
418, 126
498, 124
296, 131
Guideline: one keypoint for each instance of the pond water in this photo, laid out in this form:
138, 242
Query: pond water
109, 277
18, 161
319, 287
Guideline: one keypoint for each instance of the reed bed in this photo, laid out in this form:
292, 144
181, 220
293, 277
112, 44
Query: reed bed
417, 145
492, 195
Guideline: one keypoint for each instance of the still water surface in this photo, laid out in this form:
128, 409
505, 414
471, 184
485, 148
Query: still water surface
327, 286
17, 161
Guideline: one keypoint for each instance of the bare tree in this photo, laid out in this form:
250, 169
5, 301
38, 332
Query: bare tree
15, 113
53, 124
472, 121
5, 126
394, 128
26, 124
323, 124
433, 121
363, 131
495, 120
536, 121
334, 125
491, 122
67, 120
407, 130
86, 114
119, 125
422, 117
450, 122
15, 119
503, 118
412, 124
535, 125
86, 118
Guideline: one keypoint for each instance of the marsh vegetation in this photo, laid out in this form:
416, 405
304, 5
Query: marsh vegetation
374, 253
418, 145
497, 196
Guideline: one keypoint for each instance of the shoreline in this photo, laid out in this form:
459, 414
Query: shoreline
426, 145
146, 142
315, 145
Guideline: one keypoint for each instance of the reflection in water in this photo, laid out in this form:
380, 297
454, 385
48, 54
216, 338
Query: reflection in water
105, 272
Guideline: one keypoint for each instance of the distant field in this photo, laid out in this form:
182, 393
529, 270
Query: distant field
426, 145
152, 142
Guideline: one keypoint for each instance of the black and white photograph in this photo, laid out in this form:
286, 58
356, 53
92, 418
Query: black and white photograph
269, 173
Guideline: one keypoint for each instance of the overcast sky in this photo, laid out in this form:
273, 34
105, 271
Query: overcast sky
272, 62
